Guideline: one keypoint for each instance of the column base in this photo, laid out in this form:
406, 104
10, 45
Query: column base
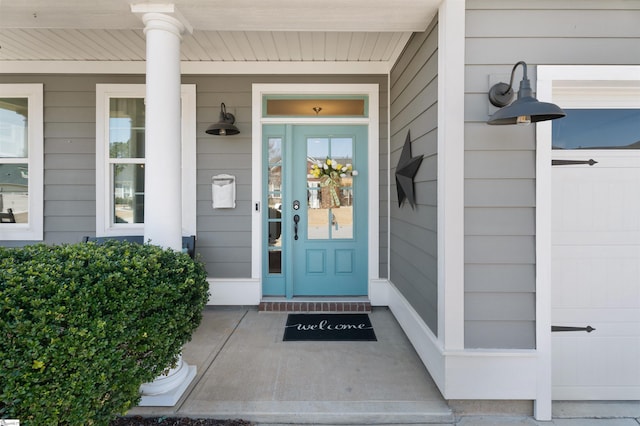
166, 390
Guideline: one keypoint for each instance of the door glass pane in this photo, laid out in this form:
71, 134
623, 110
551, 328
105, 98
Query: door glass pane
128, 195
329, 188
13, 127
126, 127
274, 201
275, 234
597, 129
14, 193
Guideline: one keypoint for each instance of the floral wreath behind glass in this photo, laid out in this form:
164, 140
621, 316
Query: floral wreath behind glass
330, 173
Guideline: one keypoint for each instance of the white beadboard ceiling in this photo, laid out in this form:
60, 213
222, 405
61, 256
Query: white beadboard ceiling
223, 31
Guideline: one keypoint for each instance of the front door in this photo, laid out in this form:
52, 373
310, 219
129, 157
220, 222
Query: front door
596, 255
316, 219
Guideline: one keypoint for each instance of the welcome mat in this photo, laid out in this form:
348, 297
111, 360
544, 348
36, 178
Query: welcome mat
329, 327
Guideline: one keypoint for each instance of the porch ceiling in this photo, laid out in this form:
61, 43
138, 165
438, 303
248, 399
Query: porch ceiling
244, 31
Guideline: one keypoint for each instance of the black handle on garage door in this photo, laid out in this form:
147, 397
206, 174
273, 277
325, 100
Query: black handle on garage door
588, 328
590, 162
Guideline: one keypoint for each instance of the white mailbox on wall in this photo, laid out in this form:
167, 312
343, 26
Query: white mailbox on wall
223, 191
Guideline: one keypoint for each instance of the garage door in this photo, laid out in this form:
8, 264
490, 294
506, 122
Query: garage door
596, 259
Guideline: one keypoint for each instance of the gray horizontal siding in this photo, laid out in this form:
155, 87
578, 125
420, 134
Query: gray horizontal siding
219, 230
224, 236
509, 278
491, 334
500, 160
499, 193
413, 232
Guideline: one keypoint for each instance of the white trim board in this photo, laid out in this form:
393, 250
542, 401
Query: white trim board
451, 42
373, 122
197, 68
467, 374
560, 83
234, 291
33, 230
103, 183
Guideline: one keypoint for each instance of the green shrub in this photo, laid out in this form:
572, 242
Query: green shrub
84, 325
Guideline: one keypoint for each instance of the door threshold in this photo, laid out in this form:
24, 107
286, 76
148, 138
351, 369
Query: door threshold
315, 304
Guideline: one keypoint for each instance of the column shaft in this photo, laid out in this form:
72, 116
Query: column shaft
163, 181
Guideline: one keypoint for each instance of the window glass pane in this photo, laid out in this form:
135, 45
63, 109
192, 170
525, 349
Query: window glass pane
275, 261
274, 201
275, 227
14, 193
126, 128
275, 166
597, 129
316, 106
13, 127
128, 196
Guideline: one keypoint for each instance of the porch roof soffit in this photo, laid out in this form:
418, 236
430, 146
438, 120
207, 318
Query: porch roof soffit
243, 36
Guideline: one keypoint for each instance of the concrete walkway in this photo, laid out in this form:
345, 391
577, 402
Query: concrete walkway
245, 371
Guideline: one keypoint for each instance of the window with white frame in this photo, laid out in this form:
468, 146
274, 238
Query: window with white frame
120, 159
21, 162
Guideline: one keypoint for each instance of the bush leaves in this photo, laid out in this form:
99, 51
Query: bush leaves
84, 325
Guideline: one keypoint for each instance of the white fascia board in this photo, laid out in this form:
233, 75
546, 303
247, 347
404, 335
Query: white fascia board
187, 68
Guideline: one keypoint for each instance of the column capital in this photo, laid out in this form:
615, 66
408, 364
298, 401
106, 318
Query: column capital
162, 16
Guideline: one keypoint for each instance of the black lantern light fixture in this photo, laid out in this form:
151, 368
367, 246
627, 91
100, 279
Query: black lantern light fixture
224, 126
524, 110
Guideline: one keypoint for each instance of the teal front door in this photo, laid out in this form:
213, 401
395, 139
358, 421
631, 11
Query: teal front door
316, 220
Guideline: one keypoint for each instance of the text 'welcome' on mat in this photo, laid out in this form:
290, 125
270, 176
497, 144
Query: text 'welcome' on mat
329, 327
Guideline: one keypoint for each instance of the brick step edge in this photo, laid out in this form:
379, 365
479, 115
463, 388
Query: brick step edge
314, 307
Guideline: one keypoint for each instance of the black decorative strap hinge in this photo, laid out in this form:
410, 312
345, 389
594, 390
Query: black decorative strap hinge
588, 328
590, 162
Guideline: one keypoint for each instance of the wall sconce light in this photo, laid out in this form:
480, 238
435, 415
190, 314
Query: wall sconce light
224, 126
524, 110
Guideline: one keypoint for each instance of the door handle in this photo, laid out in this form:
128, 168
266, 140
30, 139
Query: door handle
296, 219
588, 328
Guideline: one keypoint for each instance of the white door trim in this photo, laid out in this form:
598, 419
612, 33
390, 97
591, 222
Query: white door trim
551, 83
372, 119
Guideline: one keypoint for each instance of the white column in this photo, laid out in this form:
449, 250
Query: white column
163, 187
163, 169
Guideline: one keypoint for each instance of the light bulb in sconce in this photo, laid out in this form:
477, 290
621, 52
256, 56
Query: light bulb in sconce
223, 132
523, 119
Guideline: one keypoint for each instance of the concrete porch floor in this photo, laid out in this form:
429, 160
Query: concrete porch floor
245, 371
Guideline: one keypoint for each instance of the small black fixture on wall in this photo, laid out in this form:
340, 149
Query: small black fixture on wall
406, 172
525, 109
224, 126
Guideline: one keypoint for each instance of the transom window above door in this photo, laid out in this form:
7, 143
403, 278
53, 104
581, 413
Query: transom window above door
314, 106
